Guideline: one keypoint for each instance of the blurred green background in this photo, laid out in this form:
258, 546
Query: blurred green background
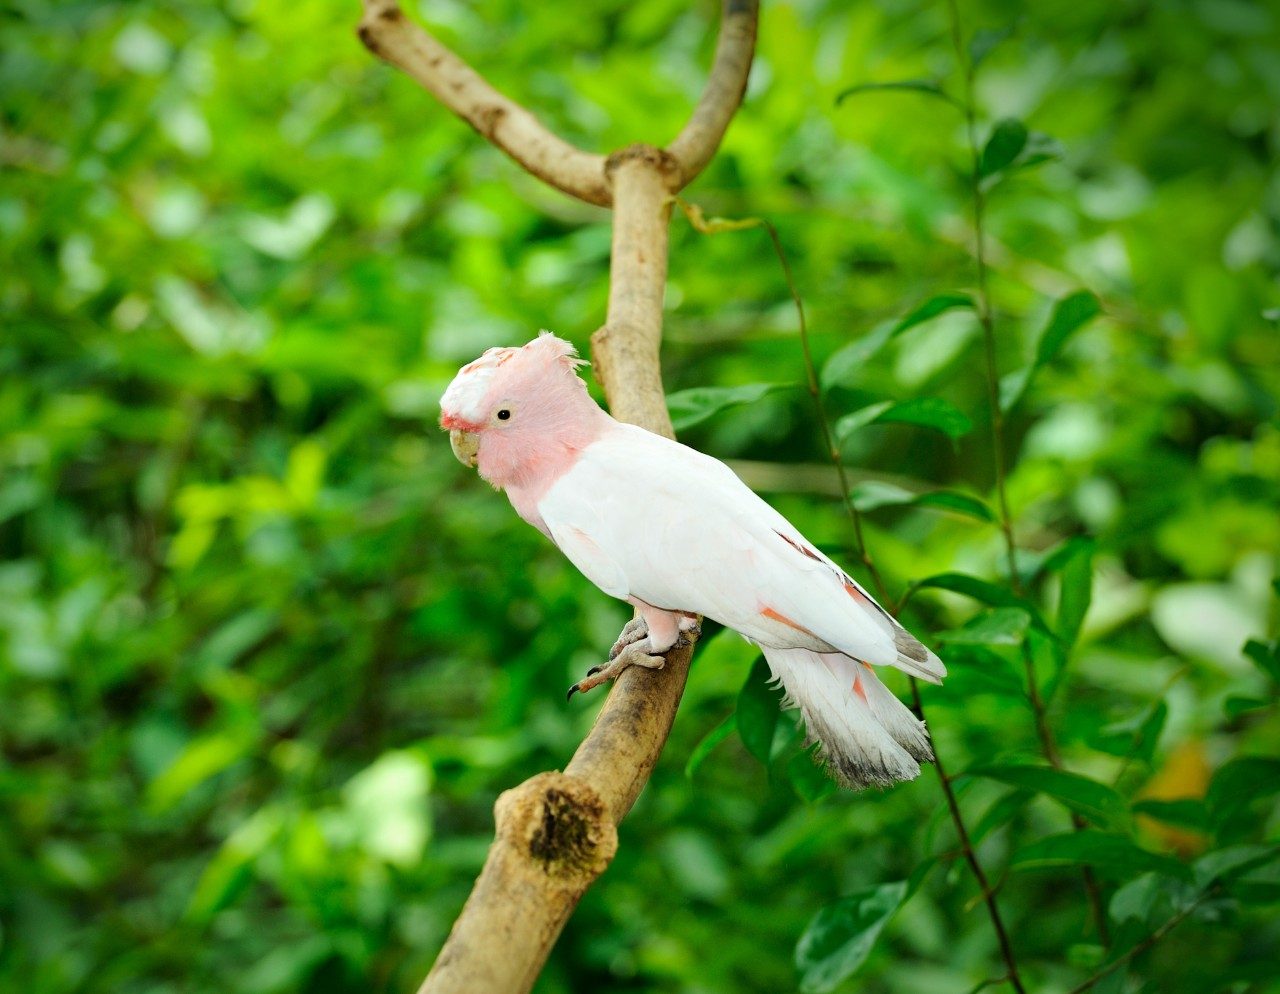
268, 653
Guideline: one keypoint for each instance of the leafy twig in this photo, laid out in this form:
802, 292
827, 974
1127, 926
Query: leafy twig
1168, 926
987, 321
713, 226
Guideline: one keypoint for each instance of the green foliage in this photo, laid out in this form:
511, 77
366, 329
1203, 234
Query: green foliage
841, 936
1008, 139
268, 654
693, 406
757, 712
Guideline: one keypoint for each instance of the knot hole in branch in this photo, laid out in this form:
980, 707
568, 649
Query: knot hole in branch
562, 824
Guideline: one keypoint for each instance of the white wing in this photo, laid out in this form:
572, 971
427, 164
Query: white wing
642, 516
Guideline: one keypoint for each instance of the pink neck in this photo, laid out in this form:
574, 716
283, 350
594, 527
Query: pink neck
527, 458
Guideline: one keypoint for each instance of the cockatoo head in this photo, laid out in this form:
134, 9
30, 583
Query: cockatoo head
514, 412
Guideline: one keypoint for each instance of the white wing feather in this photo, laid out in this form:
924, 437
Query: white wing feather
643, 516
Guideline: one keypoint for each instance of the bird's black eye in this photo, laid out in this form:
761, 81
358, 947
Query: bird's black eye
504, 415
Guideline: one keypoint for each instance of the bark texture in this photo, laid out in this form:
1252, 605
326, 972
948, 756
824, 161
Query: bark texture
557, 832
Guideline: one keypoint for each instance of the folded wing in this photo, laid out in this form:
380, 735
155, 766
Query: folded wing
643, 516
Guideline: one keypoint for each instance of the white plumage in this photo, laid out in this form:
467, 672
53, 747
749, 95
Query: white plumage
647, 518
677, 534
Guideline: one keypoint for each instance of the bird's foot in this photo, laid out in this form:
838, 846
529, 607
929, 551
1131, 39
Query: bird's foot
635, 630
631, 655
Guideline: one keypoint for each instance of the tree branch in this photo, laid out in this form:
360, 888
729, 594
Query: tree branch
391, 36
558, 831
735, 47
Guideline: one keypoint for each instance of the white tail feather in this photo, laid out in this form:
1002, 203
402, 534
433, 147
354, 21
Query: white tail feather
871, 742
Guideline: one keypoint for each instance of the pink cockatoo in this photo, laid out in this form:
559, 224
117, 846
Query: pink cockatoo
676, 534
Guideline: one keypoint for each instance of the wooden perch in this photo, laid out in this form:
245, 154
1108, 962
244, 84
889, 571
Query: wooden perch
556, 832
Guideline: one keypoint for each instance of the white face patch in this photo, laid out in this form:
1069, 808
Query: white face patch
464, 397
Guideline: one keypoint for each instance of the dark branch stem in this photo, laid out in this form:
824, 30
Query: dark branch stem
971, 856
986, 319
1142, 946
824, 423
693, 148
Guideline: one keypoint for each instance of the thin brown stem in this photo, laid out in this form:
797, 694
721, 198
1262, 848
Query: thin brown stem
971, 857
696, 218
1168, 926
986, 319
828, 438
391, 36
693, 148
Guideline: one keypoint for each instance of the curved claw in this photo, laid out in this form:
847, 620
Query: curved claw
572, 690
593, 671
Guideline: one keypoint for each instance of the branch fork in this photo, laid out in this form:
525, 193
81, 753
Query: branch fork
557, 832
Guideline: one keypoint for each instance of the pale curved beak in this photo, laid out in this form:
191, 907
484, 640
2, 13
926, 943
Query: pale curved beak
466, 445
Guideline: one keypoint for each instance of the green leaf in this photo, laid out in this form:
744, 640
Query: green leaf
988, 593
872, 494
1008, 138
709, 741
202, 759
757, 714
984, 42
1040, 148
1003, 626
850, 423
846, 363
950, 500
999, 813
1070, 314
986, 670
808, 778
972, 586
692, 407
1184, 812
927, 412
1077, 592
1013, 386
932, 308
1134, 736
841, 936
928, 87
930, 412
229, 872
1096, 801
1150, 898
1239, 783
1225, 865
1265, 657
1234, 706
1113, 856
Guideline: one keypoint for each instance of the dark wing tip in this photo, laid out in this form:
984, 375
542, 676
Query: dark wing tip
909, 646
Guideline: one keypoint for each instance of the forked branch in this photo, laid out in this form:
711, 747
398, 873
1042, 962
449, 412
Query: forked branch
388, 34
558, 831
